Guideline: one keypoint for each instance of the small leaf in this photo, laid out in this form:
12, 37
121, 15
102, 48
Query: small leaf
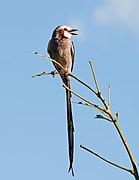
98, 116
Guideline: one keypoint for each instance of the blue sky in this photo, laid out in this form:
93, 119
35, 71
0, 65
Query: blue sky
33, 131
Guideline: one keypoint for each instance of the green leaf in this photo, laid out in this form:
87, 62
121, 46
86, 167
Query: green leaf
98, 116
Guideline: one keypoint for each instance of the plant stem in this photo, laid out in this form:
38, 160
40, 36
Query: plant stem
89, 102
109, 96
106, 111
104, 159
127, 149
94, 76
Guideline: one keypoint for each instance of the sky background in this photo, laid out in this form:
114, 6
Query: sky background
33, 129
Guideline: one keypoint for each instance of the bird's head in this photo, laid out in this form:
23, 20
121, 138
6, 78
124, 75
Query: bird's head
64, 31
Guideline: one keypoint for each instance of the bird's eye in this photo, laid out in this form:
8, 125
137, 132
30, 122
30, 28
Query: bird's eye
65, 29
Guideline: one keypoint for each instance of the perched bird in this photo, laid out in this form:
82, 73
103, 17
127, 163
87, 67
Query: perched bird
61, 49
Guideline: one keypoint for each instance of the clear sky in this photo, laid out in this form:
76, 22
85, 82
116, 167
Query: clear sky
33, 129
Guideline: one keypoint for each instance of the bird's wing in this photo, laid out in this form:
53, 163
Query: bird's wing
72, 55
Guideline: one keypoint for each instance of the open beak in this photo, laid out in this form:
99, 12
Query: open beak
72, 31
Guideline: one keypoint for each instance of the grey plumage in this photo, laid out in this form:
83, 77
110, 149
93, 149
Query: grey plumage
61, 49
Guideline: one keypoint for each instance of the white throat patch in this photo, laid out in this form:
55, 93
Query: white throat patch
67, 34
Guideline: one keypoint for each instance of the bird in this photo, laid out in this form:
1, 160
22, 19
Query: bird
61, 49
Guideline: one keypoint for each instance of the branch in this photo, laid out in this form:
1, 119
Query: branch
89, 102
68, 73
94, 76
53, 73
135, 170
36, 53
106, 111
84, 104
83, 83
110, 162
99, 94
109, 88
97, 116
107, 106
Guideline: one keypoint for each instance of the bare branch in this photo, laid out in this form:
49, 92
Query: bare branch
97, 116
81, 103
53, 73
127, 149
49, 59
106, 111
68, 73
104, 159
109, 88
89, 102
94, 75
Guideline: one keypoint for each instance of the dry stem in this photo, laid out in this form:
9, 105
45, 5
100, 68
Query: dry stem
106, 111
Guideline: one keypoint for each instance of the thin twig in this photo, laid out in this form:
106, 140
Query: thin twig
110, 162
127, 149
41, 74
99, 94
53, 73
109, 88
97, 116
81, 103
89, 102
106, 111
135, 171
68, 73
49, 59
94, 75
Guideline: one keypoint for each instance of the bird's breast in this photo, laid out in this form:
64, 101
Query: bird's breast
62, 54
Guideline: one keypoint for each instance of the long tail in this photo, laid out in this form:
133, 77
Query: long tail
70, 127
